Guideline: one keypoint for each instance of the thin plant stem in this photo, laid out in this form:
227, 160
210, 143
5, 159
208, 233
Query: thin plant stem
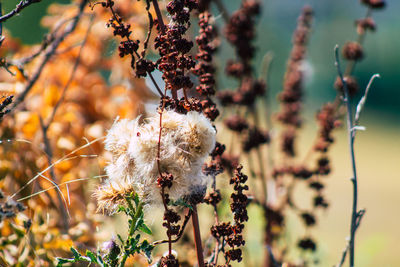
348, 71
159, 16
132, 227
197, 237
350, 130
261, 161
49, 156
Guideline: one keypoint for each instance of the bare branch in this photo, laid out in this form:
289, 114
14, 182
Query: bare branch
21, 5
71, 77
49, 53
355, 214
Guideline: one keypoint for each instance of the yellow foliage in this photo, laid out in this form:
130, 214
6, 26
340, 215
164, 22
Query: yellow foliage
30, 123
91, 102
52, 95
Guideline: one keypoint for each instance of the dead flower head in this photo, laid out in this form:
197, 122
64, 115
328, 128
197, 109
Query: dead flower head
185, 142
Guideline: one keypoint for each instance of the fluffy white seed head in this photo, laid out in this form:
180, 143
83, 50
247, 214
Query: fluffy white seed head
185, 142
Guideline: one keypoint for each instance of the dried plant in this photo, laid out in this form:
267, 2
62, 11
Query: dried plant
88, 81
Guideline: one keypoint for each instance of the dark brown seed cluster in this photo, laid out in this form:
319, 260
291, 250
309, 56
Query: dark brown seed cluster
182, 105
319, 201
351, 82
246, 94
353, 51
239, 210
328, 120
301, 172
308, 219
215, 167
204, 69
307, 244
292, 93
206, 48
173, 47
233, 233
376, 4
220, 161
236, 123
240, 31
254, 137
287, 143
239, 200
365, 24
165, 180
323, 167
169, 261
130, 47
171, 218
3, 106
274, 224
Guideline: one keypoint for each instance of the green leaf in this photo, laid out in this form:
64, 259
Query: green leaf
121, 208
138, 223
92, 257
76, 254
180, 202
120, 239
145, 229
136, 199
61, 261
147, 248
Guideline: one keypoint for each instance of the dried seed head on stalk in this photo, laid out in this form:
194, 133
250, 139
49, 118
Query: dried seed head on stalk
112, 194
185, 142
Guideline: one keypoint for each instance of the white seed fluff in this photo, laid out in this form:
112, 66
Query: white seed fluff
186, 141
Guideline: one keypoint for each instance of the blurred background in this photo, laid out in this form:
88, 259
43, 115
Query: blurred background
377, 148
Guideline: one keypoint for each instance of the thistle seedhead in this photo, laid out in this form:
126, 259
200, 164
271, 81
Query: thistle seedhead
140, 152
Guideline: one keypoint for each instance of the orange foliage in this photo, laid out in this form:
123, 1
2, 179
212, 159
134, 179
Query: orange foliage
101, 88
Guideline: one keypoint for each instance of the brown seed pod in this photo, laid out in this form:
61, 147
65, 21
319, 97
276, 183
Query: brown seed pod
353, 51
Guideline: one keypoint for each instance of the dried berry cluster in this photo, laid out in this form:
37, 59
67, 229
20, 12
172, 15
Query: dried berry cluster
130, 47
169, 261
233, 233
175, 62
240, 32
292, 93
216, 166
365, 24
328, 120
204, 68
252, 136
171, 218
